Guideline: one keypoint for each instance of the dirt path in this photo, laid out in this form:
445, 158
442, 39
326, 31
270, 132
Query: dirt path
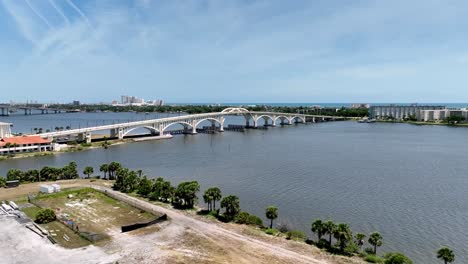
221, 235
192, 239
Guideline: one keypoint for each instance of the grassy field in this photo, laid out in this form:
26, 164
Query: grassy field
90, 213
58, 230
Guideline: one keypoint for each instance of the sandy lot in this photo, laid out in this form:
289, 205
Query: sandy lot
19, 245
183, 239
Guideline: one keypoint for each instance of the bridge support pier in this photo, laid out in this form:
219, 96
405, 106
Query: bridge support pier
86, 137
117, 133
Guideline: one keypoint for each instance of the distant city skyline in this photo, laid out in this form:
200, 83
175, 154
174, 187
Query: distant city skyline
234, 51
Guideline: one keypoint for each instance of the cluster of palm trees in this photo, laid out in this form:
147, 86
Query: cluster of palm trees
343, 235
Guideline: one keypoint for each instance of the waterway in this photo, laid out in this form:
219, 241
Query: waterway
408, 182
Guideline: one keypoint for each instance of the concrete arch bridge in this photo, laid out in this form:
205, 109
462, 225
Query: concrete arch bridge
190, 123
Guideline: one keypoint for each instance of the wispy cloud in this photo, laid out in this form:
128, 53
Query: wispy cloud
78, 10
39, 14
221, 50
62, 14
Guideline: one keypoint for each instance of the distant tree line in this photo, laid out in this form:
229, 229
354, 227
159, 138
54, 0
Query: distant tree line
197, 109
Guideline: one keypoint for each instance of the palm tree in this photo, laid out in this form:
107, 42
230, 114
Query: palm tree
104, 168
343, 235
446, 254
68, 127
88, 171
35, 130
360, 239
329, 228
140, 173
271, 213
375, 239
207, 199
318, 227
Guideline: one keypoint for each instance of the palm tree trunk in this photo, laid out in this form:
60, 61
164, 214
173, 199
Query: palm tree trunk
375, 249
329, 240
271, 223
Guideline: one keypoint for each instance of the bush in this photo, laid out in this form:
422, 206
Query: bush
84, 144
248, 219
373, 259
369, 250
2, 182
351, 248
45, 216
323, 243
271, 231
242, 218
296, 235
397, 258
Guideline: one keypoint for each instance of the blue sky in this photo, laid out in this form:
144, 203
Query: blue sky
234, 51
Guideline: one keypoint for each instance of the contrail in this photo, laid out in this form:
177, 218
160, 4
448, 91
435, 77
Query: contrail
78, 10
60, 11
39, 14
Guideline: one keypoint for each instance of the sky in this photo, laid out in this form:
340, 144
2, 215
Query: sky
215, 51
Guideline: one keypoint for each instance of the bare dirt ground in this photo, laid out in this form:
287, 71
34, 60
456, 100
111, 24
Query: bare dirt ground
186, 238
18, 245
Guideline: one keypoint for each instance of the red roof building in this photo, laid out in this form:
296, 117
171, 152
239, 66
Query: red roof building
24, 144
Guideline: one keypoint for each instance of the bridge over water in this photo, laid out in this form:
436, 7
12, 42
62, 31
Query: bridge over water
6, 109
190, 123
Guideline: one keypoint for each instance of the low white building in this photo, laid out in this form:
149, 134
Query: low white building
441, 114
56, 187
46, 189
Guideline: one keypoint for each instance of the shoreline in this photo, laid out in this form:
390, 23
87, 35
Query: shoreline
79, 147
241, 243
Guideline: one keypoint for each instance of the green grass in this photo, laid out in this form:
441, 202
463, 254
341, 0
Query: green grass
373, 259
31, 211
76, 241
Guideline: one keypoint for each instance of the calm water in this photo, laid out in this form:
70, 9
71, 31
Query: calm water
408, 182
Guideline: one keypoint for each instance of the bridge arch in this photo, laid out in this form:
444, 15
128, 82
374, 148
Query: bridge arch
149, 128
298, 117
175, 123
235, 110
209, 119
264, 116
281, 117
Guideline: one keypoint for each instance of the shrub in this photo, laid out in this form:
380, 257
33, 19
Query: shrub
323, 243
45, 216
242, 218
248, 219
296, 235
351, 248
369, 250
271, 231
397, 258
84, 144
2, 182
373, 259
255, 220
